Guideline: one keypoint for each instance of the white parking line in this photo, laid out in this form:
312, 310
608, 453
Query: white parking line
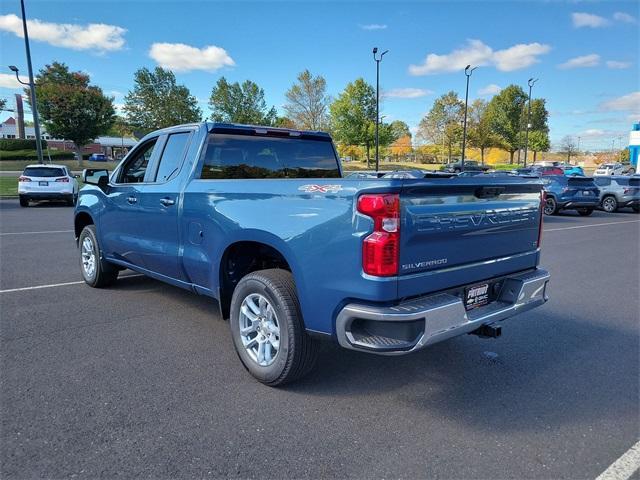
594, 225
36, 233
624, 467
52, 285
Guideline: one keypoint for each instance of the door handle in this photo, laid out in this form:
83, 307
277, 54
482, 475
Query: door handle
131, 200
167, 202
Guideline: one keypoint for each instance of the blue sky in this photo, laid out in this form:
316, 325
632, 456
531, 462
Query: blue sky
584, 53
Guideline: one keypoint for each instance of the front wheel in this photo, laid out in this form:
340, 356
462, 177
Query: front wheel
585, 212
267, 328
550, 206
96, 272
609, 204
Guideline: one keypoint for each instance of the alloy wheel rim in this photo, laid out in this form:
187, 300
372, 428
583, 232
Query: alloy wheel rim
549, 206
259, 329
88, 257
608, 204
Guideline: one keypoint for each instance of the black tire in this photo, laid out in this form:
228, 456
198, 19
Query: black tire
103, 273
636, 208
585, 212
550, 206
609, 204
71, 201
24, 201
296, 353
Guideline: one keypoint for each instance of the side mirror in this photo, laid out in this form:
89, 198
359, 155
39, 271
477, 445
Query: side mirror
96, 176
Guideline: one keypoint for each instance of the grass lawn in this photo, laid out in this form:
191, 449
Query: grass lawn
9, 186
18, 165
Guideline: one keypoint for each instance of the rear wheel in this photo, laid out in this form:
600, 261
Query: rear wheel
636, 208
609, 204
24, 201
585, 212
96, 272
550, 206
267, 328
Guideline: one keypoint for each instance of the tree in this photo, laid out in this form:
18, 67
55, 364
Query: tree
3, 103
538, 142
157, 101
284, 122
402, 146
400, 129
505, 117
308, 102
353, 115
240, 103
442, 123
70, 107
479, 133
120, 128
568, 146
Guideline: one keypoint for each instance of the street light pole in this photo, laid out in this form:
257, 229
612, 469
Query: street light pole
531, 83
467, 71
377, 60
32, 87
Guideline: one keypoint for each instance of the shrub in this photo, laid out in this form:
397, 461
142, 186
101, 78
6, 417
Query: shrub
12, 144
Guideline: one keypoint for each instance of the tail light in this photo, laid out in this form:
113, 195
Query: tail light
24, 179
380, 250
542, 202
63, 180
627, 191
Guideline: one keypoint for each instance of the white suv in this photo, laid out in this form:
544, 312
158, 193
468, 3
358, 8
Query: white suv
47, 182
609, 169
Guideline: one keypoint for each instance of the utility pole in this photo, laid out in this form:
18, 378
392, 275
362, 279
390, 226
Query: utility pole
531, 83
467, 71
377, 60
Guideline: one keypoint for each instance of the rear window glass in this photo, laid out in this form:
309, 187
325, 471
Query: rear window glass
247, 156
622, 181
634, 182
44, 172
582, 181
602, 181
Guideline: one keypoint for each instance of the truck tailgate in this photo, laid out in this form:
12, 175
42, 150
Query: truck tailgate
457, 231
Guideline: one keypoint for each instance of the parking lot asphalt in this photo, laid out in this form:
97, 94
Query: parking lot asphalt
141, 379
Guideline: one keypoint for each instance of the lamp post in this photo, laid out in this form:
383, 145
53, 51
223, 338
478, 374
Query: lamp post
31, 84
531, 83
467, 71
377, 60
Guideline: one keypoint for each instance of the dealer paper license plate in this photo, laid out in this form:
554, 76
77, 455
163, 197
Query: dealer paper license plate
476, 296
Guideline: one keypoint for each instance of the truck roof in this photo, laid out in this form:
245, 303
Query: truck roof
229, 127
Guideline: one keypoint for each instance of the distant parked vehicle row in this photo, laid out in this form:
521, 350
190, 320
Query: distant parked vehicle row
47, 182
570, 193
609, 169
469, 166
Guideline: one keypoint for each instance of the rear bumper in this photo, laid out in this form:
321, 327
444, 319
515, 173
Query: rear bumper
630, 202
580, 203
414, 324
46, 195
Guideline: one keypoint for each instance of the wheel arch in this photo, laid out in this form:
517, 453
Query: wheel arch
81, 220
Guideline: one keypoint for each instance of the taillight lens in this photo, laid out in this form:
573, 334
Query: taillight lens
63, 180
24, 179
380, 250
542, 202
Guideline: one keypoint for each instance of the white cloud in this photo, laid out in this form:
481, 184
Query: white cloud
184, 58
583, 61
625, 103
407, 93
476, 53
374, 26
581, 19
94, 36
617, 65
8, 80
624, 17
490, 89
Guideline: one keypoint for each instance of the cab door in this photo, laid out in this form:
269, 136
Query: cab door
122, 229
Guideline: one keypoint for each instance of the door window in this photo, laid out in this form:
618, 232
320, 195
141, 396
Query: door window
172, 156
134, 170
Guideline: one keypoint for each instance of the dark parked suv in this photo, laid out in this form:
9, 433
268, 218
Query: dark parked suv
619, 192
570, 193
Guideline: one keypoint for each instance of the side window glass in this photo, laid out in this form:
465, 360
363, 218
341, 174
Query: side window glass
172, 156
136, 167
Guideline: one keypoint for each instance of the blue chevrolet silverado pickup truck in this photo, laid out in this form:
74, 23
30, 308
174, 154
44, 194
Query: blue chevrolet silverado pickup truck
262, 220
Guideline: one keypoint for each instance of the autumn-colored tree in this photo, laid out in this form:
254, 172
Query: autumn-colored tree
479, 130
442, 124
401, 146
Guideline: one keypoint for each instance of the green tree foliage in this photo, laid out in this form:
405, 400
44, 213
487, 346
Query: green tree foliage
399, 130
157, 101
308, 102
442, 124
240, 103
505, 117
538, 142
353, 115
70, 107
120, 128
479, 133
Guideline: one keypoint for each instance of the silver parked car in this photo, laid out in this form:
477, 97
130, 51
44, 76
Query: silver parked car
619, 192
